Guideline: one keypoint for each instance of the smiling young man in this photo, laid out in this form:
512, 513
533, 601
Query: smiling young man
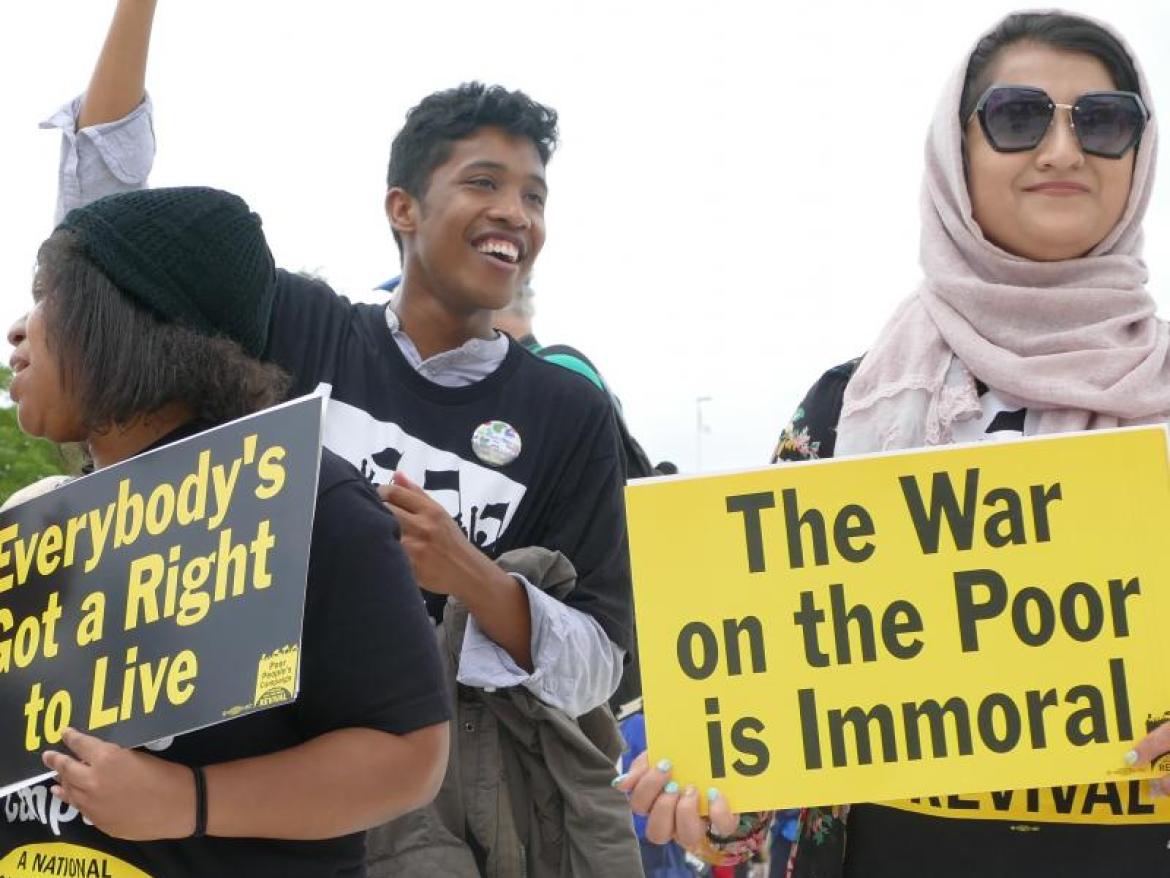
477, 445
441, 411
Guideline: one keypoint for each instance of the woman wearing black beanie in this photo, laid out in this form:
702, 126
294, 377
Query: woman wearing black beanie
149, 310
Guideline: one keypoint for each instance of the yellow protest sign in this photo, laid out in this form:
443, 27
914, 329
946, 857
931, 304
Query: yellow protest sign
964, 619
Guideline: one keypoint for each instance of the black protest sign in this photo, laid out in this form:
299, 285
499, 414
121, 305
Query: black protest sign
160, 595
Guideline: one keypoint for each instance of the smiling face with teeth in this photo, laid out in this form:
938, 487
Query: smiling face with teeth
471, 239
505, 250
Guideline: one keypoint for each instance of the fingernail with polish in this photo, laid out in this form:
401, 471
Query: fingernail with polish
664, 765
617, 780
1131, 758
671, 789
712, 794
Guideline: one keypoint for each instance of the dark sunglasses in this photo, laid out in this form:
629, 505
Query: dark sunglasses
1015, 118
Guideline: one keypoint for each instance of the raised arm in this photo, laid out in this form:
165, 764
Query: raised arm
118, 83
107, 134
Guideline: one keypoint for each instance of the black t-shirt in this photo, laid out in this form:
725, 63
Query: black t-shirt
564, 489
368, 659
1094, 830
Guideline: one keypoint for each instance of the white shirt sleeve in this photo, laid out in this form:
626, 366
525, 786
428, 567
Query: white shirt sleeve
576, 667
102, 159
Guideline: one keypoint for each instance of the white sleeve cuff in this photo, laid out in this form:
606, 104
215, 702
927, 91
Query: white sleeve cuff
576, 667
102, 159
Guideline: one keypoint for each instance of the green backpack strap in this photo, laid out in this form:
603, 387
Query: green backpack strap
574, 364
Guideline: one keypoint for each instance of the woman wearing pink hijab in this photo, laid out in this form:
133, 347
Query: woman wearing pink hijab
1032, 317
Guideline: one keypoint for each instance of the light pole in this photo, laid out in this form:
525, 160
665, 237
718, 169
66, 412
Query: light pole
700, 429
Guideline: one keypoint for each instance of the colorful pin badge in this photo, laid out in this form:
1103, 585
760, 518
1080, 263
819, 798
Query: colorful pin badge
496, 443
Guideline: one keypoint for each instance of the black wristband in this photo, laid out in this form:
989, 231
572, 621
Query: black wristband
200, 801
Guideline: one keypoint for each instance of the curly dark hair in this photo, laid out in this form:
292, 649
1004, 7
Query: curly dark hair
120, 360
1058, 30
440, 119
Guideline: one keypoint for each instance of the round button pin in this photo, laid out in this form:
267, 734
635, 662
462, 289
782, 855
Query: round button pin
496, 443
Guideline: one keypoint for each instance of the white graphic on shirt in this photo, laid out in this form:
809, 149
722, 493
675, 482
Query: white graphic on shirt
1002, 418
482, 500
36, 804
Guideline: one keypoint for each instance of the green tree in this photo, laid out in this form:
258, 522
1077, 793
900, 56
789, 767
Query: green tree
23, 460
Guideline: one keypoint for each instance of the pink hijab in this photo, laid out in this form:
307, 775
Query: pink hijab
1077, 340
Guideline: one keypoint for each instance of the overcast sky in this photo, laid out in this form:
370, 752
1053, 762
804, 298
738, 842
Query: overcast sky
733, 209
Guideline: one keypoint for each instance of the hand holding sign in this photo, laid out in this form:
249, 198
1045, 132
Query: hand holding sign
673, 812
124, 793
1150, 750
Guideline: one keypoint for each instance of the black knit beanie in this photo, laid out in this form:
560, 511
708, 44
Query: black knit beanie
194, 256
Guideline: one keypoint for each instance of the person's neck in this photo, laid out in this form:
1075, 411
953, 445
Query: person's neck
122, 442
432, 325
517, 327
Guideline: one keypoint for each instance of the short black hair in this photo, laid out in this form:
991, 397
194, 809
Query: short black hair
1058, 30
440, 119
120, 360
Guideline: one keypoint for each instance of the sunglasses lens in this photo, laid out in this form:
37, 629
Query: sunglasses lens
1108, 124
1015, 118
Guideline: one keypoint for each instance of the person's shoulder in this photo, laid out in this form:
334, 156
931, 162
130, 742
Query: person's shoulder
570, 358
349, 517
302, 283
335, 471
554, 381
305, 286
836, 377
339, 484
36, 489
306, 306
811, 433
